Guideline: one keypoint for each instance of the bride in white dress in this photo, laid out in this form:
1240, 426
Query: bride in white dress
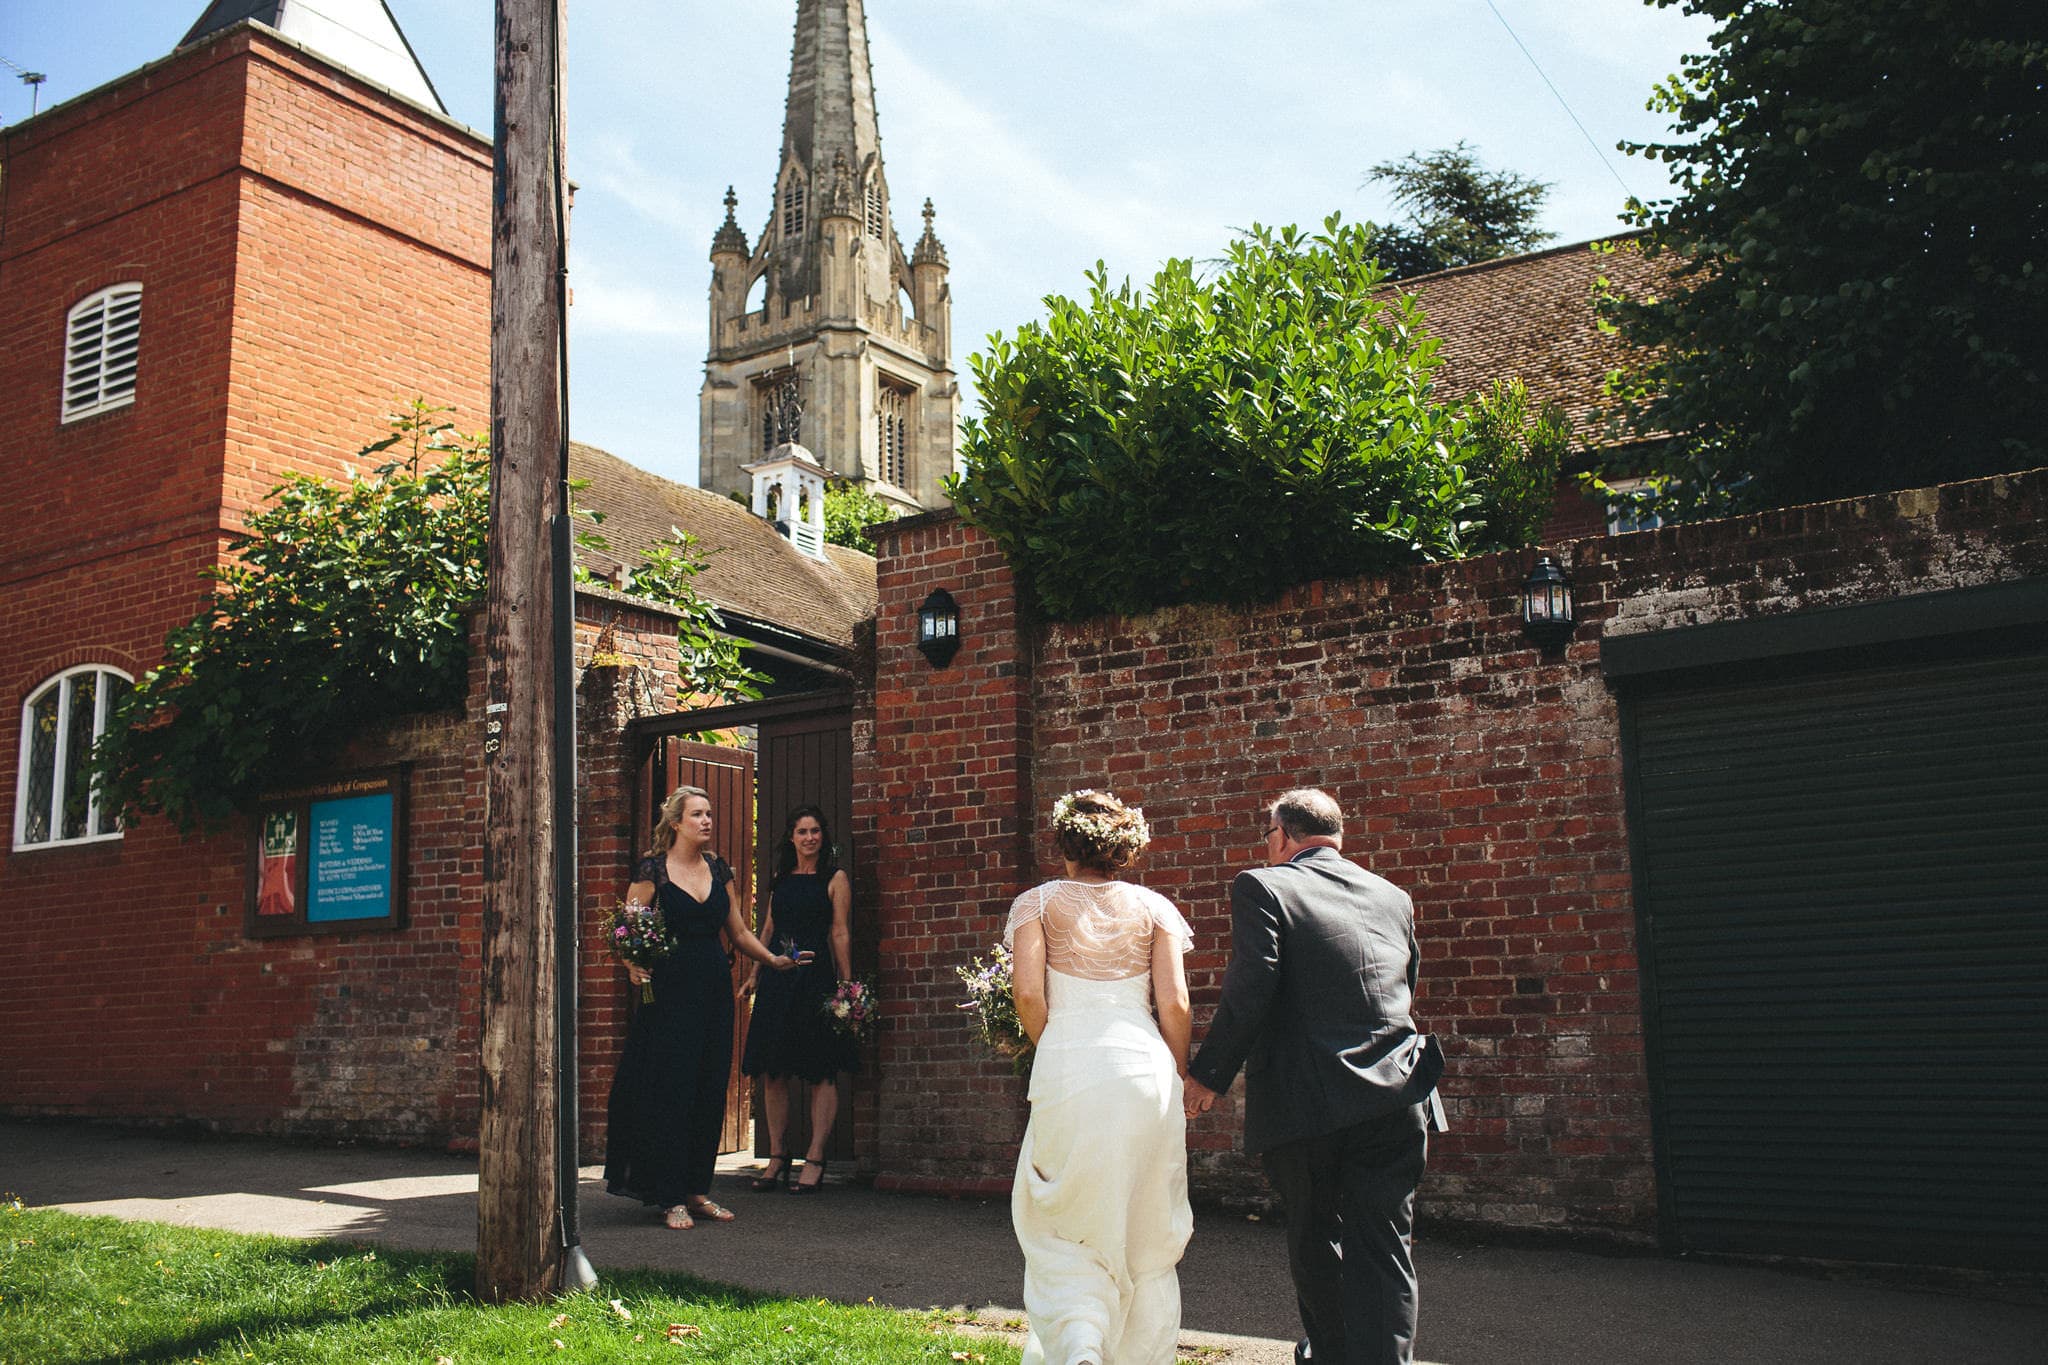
1100, 1203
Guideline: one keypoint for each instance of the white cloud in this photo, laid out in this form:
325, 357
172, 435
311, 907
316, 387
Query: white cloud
606, 302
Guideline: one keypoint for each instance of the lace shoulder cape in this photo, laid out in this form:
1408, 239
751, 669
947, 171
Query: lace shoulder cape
1097, 931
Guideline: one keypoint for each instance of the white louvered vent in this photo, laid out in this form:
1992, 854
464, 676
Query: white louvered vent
100, 342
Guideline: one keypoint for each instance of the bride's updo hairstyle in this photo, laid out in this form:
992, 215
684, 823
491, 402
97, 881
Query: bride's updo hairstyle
1096, 831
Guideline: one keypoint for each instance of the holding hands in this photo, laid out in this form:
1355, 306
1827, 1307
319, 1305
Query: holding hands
1196, 1099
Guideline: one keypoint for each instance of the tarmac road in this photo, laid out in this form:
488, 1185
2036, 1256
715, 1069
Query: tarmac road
1480, 1303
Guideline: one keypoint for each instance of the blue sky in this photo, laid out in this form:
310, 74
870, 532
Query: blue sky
1048, 133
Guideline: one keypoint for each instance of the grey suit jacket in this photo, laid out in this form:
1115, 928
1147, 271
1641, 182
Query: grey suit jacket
1316, 999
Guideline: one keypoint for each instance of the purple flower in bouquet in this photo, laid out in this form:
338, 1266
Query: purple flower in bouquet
639, 935
993, 1002
853, 1009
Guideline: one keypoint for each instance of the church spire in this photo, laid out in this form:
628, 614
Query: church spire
830, 297
831, 152
831, 107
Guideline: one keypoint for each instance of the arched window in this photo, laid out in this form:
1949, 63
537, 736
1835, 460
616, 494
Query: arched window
877, 224
54, 799
101, 337
892, 430
793, 208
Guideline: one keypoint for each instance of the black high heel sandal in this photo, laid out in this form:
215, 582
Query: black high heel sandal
761, 1184
819, 1184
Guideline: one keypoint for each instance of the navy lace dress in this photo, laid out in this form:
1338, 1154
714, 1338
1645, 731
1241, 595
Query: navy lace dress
789, 1034
668, 1098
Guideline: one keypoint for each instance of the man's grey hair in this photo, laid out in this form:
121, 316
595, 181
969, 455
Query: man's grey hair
1306, 811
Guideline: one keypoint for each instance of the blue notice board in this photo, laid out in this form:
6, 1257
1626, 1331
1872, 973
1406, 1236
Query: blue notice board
349, 863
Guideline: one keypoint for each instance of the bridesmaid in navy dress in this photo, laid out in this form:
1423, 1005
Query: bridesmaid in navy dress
668, 1097
810, 909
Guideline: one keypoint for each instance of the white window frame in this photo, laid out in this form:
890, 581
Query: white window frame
102, 696
100, 369
1614, 510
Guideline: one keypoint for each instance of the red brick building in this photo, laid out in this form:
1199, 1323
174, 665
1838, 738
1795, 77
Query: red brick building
214, 270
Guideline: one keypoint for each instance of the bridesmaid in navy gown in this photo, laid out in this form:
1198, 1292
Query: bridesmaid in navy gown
810, 913
668, 1098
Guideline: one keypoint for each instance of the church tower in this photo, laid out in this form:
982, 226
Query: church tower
825, 332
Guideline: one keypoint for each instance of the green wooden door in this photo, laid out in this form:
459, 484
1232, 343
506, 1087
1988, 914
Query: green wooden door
1842, 881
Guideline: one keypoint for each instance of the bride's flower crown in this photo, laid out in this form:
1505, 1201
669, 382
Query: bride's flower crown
1109, 832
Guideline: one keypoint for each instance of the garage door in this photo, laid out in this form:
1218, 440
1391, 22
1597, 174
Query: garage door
1842, 879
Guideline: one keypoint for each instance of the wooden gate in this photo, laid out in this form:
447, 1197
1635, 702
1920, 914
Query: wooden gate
727, 774
807, 760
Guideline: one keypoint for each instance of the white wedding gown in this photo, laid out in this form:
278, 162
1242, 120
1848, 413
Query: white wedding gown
1100, 1203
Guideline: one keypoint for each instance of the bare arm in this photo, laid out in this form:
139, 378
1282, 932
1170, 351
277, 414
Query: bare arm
1170, 996
639, 893
840, 889
743, 939
1027, 977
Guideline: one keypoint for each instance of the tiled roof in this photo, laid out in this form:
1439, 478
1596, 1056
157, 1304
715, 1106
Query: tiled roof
749, 568
1531, 317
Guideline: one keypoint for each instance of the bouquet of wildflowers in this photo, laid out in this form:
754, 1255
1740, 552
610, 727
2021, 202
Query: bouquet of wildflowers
853, 1009
639, 935
993, 1003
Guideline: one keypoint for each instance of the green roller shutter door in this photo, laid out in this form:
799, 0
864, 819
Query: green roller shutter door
1843, 884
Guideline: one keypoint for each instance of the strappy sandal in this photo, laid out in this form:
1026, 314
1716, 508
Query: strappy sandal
705, 1208
769, 1180
678, 1218
801, 1188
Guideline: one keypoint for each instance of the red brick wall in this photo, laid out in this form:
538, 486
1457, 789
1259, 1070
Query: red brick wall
363, 277
311, 253
941, 798
1478, 773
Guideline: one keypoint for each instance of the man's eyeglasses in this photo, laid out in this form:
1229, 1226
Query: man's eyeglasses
1271, 830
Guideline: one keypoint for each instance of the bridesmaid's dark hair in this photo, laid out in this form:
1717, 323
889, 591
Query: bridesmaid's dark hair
785, 852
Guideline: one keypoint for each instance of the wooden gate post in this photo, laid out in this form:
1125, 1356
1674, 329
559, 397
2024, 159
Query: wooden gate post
518, 1194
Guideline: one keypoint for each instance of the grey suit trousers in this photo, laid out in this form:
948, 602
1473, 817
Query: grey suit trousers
1350, 1200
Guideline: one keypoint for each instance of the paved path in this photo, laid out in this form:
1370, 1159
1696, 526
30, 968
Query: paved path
1480, 1303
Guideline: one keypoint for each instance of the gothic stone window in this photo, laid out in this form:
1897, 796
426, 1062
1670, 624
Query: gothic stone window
793, 208
101, 337
892, 429
55, 801
876, 223
777, 411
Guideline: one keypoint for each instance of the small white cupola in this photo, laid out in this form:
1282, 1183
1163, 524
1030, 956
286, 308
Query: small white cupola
789, 490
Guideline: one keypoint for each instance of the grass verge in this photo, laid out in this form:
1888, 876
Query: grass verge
93, 1291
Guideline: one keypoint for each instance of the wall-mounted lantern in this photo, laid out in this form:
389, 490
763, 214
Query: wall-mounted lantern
938, 628
1547, 603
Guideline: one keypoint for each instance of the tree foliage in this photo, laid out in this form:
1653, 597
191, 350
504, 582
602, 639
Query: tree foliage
1515, 449
1459, 213
849, 510
1859, 301
1220, 439
343, 605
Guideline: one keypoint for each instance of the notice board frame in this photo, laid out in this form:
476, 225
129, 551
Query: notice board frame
281, 856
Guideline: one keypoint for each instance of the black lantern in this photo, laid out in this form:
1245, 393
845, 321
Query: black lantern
1547, 603
938, 628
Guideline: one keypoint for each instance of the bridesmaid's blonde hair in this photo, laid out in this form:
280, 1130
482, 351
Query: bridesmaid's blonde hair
671, 816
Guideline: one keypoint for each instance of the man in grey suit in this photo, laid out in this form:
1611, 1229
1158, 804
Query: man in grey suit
1338, 1084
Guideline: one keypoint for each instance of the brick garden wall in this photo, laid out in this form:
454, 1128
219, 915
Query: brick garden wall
1481, 775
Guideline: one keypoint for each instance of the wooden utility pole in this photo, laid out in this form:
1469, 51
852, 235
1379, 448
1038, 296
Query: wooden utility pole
518, 1189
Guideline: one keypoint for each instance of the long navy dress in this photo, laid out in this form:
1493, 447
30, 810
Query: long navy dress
789, 1034
668, 1098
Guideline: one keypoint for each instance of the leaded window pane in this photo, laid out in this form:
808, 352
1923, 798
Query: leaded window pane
107, 821
81, 710
42, 765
